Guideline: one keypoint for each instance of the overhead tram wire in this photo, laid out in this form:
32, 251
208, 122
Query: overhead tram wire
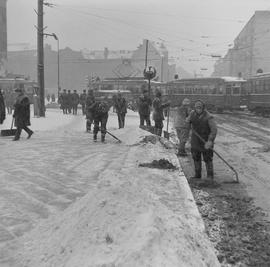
136, 26
143, 29
156, 14
124, 22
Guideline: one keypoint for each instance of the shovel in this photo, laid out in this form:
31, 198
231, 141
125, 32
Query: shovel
166, 133
114, 137
230, 166
9, 132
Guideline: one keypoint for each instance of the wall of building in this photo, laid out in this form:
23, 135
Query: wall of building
251, 49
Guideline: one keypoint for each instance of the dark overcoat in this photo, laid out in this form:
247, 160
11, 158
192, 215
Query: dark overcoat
158, 109
205, 126
144, 105
120, 105
22, 111
2, 109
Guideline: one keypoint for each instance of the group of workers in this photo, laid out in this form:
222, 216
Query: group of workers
199, 121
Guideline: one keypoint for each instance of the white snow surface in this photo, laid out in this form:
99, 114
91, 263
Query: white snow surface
130, 216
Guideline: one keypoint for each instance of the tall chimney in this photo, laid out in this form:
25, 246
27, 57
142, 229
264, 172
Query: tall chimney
3, 34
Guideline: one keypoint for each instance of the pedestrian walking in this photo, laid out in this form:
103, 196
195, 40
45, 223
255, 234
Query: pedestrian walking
48, 98
158, 116
120, 106
75, 102
22, 114
182, 126
83, 97
100, 112
144, 108
69, 101
90, 99
63, 101
9, 100
203, 127
2, 108
53, 98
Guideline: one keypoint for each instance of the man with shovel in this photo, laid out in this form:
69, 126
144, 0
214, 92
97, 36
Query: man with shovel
204, 131
158, 116
182, 126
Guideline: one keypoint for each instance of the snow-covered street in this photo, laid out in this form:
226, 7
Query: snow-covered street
67, 201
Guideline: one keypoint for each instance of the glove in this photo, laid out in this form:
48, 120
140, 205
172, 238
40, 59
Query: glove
208, 145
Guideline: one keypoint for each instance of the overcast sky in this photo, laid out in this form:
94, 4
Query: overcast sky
190, 29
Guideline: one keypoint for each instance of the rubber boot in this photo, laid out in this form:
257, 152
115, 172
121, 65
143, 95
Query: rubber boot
181, 151
198, 170
159, 131
210, 170
102, 138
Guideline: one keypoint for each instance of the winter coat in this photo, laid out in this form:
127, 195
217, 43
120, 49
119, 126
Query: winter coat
182, 113
120, 105
75, 99
205, 126
2, 109
83, 97
90, 100
22, 111
158, 109
144, 105
99, 109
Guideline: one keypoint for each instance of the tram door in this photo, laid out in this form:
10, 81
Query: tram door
228, 96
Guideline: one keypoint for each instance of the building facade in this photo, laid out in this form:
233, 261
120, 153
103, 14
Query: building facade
75, 68
250, 53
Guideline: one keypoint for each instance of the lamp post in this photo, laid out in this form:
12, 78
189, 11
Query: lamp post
58, 61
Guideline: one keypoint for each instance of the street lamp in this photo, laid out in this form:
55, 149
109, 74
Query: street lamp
58, 60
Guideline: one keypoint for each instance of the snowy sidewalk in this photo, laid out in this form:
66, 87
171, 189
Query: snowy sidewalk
67, 201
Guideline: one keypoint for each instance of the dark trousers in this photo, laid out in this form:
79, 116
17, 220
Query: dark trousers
83, 109
121, 119
145, 118
103, 122
158, 127
19, 131
207, 155
74, 110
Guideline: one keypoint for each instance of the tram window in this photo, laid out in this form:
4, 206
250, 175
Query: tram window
236, 90
214, 91
220, 91
228, 90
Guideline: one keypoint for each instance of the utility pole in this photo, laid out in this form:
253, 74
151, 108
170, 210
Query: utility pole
146, 53
40, 63
161, 69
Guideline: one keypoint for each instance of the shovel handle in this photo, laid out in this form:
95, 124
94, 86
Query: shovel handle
168, 119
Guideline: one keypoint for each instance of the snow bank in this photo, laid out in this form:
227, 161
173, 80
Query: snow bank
133, 216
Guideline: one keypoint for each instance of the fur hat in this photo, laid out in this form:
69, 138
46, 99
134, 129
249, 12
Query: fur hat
186, 101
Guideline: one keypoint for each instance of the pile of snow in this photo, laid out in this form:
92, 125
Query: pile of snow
133, 216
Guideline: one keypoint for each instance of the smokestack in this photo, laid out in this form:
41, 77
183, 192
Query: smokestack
3, 34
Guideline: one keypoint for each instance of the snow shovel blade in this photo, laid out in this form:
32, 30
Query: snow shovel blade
8, 132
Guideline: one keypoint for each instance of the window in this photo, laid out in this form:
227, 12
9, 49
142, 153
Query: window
228, 90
